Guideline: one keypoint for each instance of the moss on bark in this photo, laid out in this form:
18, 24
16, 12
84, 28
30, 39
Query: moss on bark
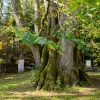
44, 58
48, 76
81, 73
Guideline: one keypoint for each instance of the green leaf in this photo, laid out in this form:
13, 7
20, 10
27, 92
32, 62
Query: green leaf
69, 36
50, 46
17, 31
54, 45
60, 52
25, 41
28, 38
86, 49
92, 1
80, 44
74, 6
89, 1
41, 40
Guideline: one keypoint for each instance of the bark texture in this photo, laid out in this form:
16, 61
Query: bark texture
36, 54
4, 11
19, 18
57, 70
16, 6
37, 19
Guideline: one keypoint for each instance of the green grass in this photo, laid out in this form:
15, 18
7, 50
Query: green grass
18, 87
93, 73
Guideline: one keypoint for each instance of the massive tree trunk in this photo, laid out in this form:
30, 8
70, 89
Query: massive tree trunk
55, 70
58, 70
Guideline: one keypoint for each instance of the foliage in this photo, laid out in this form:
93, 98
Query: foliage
84, 12
88, 21
11, 48
1, 60
29, 38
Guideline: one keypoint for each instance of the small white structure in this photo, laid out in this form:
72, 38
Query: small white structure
88, 63
21, 63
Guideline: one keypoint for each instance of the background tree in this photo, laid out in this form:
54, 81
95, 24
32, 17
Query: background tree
4, 11
12, 46
89, 32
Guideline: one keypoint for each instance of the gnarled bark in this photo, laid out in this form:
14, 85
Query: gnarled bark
60, 70
48, 75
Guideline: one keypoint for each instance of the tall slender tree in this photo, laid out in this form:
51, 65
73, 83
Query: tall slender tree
18, 15
4, 11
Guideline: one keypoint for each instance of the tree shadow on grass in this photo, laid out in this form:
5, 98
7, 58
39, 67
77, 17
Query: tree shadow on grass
25, 94
56, 97
18, 87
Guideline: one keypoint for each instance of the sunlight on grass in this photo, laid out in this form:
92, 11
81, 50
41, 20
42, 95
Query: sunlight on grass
18, 87
93, 73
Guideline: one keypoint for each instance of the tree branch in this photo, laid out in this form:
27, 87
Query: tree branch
44, 18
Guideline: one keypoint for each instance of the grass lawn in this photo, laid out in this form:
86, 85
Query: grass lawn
18, 87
